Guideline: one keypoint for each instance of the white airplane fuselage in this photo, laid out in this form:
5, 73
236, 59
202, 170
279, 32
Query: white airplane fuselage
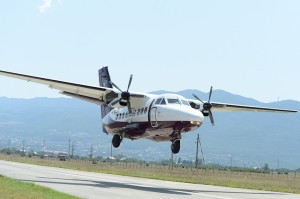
159, 118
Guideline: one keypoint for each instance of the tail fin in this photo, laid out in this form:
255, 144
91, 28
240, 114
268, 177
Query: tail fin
104, 81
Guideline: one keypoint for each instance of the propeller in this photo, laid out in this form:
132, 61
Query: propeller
125, 95
207, 106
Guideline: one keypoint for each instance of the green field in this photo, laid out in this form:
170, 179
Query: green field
259, 181
15, 189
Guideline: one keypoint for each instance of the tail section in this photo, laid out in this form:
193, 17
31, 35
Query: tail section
104, 80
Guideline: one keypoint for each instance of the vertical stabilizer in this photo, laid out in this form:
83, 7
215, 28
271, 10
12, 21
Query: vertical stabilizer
104, 80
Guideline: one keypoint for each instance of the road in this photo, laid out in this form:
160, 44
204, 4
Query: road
97, 185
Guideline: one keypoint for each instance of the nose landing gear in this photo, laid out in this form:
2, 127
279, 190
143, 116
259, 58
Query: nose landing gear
175, 146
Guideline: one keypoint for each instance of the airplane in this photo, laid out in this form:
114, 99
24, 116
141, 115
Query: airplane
133, 115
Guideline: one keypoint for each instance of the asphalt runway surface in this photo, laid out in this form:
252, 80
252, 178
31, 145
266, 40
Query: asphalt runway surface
97, 185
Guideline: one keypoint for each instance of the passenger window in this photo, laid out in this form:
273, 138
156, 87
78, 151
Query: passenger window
123, 115
117, 116
158, 101
142, 110
120, 115
163, 101
145, 110
133, 113
138, 112
126, 115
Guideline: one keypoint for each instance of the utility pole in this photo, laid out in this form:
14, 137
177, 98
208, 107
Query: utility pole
197, 142
278, 164
171, 159
69, 149
8, 152
91, 155
44, 148
111, 154
73, 149
23, 150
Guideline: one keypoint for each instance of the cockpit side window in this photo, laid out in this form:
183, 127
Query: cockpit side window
185, 102
158, 101
173, 101
163, 101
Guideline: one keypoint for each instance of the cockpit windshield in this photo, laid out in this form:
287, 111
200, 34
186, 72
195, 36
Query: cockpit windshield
173, 101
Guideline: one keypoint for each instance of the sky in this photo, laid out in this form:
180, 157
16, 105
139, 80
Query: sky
249, 48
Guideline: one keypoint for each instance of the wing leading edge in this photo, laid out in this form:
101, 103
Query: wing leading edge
91, 91
225, 107
235, 107
66, 88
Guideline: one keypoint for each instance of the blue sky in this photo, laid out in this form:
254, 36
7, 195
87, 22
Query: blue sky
250, 48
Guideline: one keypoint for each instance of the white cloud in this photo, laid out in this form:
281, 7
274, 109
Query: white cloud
47, 4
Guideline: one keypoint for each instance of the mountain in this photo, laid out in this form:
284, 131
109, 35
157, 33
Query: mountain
250, 139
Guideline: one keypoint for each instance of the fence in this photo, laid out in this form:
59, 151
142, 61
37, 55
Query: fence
113, 165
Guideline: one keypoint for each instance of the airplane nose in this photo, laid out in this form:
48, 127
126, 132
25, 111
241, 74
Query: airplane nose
196, 117
192, 115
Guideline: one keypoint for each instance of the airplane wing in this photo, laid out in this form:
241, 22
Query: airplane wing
225, 107
93, 94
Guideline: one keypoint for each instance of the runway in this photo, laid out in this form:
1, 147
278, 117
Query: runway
96, 185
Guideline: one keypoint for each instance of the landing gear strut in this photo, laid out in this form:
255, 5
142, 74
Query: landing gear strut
175, 147
116, 141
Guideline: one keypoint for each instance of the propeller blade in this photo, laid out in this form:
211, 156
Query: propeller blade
210, 94
115, 86
211, 118
129, 107
198, 98
129, 82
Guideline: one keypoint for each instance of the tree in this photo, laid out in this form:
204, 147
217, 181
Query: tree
266, 167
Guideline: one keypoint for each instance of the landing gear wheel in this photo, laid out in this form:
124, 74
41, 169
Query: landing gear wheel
116, 141
175, 147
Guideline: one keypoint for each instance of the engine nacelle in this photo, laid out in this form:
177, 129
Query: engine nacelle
205, 114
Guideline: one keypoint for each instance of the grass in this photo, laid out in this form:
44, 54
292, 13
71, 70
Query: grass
268, 182
11, 189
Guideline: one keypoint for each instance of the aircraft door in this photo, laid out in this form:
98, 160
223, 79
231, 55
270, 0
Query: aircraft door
153, 120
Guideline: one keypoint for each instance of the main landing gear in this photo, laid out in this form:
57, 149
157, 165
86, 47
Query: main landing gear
175, 146
116, 141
